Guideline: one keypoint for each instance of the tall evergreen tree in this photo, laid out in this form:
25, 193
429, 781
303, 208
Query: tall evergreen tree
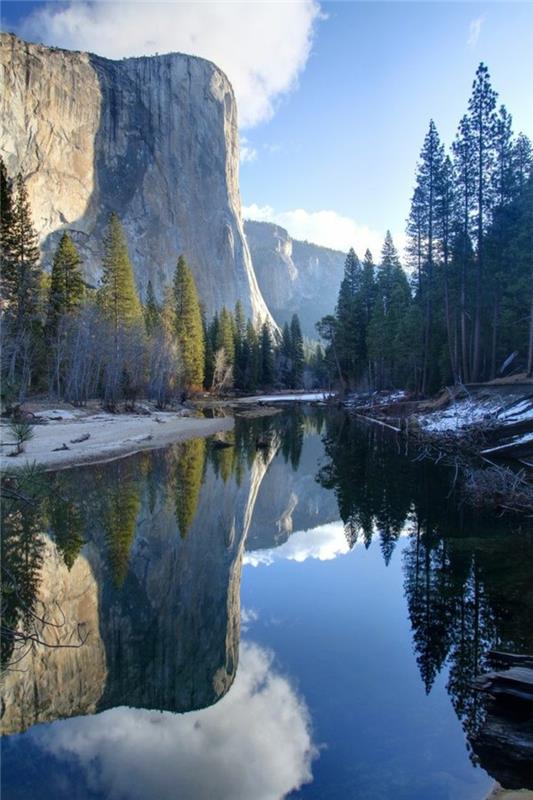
267, 356
24, 264
445, 212
252, 351
392, 303
226, 335
422, 229
464, 165
152, 311
350, 334
522, 160
118, 293
189, 330
8, 275
297, 347
239, 366
67, 288
481, 109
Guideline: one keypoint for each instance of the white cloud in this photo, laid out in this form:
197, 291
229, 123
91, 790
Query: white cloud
262, 46
248, 617
474, 31
324, 543
256, 742
247, 152
326, 227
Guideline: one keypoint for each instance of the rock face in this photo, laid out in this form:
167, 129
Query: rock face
153, 139
167, 637
294, 276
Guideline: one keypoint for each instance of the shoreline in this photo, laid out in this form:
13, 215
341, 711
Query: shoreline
111, 436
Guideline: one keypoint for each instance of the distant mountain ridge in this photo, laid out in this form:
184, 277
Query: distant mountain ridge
294, 276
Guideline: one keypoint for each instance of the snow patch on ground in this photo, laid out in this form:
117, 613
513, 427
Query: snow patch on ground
469, 412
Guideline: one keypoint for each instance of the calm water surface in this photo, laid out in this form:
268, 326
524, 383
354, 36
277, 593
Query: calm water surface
299, 619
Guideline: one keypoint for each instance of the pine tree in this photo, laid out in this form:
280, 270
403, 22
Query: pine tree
464, 165
26, 273
392, 303
349, 339
239, 338
8, 275
522, 160
67, 288
368, 299
267, 356
152, 311
189, 330
504, 183
445, 221
118, 293
297, 347
210, 349
252, 357
422, 230
226, 335
285, 356
481, 109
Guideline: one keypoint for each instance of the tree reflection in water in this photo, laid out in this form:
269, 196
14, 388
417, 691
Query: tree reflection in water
467, 575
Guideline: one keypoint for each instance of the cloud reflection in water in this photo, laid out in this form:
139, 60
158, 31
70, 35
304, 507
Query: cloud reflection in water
256, 742
323, 543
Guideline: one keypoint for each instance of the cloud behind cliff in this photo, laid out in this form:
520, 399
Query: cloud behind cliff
325, 227
262, 46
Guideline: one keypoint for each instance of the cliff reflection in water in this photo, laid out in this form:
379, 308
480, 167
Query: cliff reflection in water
146, 553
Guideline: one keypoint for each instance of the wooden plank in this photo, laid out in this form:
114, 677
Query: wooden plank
379, 422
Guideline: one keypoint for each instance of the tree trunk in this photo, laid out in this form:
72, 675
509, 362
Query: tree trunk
495, 327
530, 349
464, 332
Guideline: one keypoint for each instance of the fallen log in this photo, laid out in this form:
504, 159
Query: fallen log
379, 422
80, 439
513, 683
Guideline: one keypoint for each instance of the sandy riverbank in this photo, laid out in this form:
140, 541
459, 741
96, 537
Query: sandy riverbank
110, 436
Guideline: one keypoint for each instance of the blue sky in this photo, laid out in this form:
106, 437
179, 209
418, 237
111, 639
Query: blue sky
334, 99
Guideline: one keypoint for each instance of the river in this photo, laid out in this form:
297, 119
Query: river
298, 615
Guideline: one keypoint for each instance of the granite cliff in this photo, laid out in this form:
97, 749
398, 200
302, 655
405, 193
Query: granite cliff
294, 277
154, 139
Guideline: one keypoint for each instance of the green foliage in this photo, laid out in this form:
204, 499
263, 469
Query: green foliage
66, 523
152, 312
67, 288
468, 246
188, 476
267, 356
22, 431
118, 295
297, 353
226, 335
122, 506
189, 326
